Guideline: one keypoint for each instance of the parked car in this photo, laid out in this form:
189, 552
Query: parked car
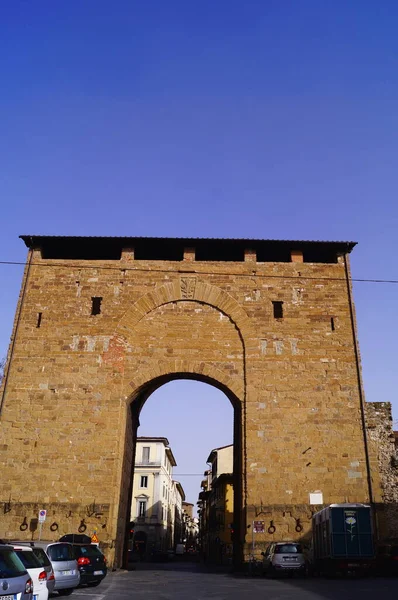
284, 557
76, 538
15, 581
180, 549
64, 564
46, 564
159, 556
91, 563
386, 562
35, 570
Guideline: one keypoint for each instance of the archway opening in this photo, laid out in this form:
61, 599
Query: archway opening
189, 418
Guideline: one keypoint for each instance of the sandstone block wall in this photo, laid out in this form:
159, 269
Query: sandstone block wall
76, 382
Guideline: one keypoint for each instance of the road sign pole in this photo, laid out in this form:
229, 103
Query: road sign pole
42, 518
251, 563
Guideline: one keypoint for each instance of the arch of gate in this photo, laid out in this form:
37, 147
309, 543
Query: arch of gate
141, 380
148, 380
137, 393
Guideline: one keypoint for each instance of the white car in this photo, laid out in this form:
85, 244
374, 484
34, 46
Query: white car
35, 570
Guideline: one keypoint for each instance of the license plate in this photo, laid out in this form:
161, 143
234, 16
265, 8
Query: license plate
98, 572
8, 597
353, 565
67, 572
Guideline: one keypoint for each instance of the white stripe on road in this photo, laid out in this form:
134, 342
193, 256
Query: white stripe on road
89, 595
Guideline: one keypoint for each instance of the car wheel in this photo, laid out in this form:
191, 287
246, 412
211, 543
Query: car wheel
66, 592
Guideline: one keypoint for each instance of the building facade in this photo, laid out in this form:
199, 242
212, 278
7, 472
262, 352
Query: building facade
156, 506
204, 514
217, 506
103, 322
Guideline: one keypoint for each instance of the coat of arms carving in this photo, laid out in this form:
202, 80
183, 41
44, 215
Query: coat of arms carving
188, 285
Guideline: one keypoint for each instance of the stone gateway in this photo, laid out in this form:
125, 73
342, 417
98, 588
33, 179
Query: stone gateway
103, 322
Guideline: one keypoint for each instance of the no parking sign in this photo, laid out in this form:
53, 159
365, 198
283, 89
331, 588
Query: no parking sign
42, 515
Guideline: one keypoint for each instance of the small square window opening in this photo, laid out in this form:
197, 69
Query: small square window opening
96, 305
278, 309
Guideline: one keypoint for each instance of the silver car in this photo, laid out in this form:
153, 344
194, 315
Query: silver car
284, 557
15, 581
64, 565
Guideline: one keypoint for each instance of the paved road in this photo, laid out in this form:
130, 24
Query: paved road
192, 582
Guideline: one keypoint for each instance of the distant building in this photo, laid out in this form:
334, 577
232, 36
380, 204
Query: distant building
156, 506
187, 508
216, 507
190, 526
179, 513
203, 513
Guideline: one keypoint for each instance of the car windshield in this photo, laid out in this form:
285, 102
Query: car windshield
288, 549
10, 564
90, 550
41, 557
28, 559
59, 552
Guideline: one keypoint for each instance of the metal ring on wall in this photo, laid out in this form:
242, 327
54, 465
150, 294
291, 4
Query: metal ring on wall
271, 529
82, 527
54, 526
299, 526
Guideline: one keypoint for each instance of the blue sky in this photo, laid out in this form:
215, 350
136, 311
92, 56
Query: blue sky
266, 119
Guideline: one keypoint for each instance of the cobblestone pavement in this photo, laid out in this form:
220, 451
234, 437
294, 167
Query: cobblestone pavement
193, 582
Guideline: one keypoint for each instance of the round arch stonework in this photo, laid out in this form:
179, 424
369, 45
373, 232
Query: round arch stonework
176, 370
187, 288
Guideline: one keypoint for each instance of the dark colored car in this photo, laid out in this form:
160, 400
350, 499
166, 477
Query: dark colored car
386, 562
91, 563
75, 538
159, 556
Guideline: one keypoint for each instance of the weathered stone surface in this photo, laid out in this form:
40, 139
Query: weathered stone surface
67, 430
384, 461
